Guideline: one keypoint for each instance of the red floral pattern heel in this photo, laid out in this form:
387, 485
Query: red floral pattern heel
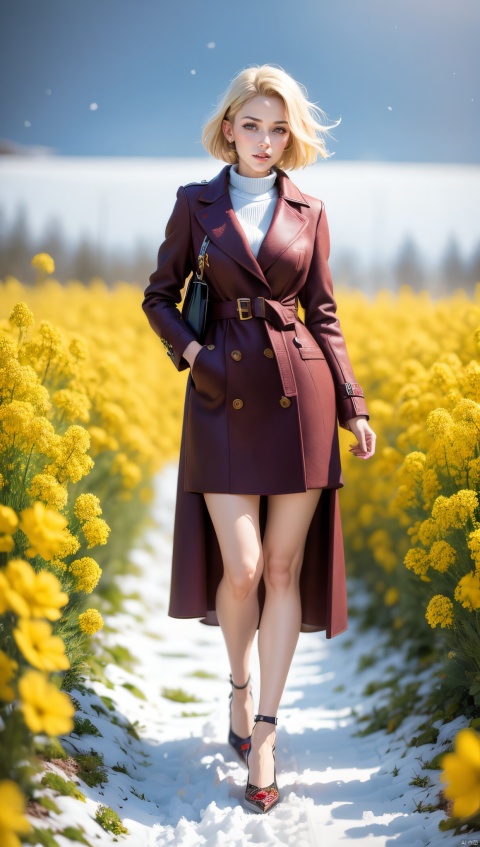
262, 799
239, 744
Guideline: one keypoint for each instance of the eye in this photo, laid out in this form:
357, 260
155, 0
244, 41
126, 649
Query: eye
249, 126
281, 130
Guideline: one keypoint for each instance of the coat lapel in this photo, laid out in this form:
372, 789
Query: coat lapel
287, 224
222, 226
218, 219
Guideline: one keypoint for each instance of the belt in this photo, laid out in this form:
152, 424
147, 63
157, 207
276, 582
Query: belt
277, 315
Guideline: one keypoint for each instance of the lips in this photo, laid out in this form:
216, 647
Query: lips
260, 156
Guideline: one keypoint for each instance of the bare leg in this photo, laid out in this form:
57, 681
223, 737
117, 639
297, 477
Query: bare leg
235, 518
289, 517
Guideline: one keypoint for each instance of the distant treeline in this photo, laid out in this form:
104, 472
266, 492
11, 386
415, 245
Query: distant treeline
88, 259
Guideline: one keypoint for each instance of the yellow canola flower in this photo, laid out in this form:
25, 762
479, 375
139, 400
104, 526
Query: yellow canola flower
438, 422
12, 814
8, 519
41, 435
78, 348
473, 543
44, 707
39, 647
21, 316
15, 417
101, 440
69, 546
427, 532
442, 556
456, 511
440, 611
86, 572
43, 262
29, 593
90, 621
417, 561
392, 596
45, 487
87, 506
414, 464
430, 487
461, 770
71, 462
467, 592
74, 404
96, 531
113, 417
7, 543
8, 667
474, 472
8, 349
51, 338
44, 529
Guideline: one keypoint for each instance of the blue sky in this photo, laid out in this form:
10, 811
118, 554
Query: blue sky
403, 75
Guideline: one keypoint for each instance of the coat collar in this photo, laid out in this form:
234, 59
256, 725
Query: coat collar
219, 221
218, 186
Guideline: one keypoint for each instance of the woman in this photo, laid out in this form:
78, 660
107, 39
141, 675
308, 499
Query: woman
257, 538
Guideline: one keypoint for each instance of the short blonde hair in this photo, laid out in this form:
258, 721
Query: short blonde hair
305, 143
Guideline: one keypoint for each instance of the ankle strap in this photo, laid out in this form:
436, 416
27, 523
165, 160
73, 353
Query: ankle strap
266, 718
239, 686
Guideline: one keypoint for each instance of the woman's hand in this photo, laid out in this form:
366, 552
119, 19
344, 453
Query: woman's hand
365, 448
191, 351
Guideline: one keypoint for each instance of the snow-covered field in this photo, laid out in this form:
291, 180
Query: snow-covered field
184, 785
372, 206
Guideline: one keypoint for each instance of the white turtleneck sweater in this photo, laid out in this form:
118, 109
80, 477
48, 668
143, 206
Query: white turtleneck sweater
253, 200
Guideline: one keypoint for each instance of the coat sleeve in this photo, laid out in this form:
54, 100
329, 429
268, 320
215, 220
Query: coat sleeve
165, 284
316, 297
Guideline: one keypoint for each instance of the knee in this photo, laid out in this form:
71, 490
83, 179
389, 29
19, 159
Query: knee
244, 579
281, 571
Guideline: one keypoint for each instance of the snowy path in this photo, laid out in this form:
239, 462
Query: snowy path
336, 788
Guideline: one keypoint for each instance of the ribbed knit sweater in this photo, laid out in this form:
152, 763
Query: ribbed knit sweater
253, 200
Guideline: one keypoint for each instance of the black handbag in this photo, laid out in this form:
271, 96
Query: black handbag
194, 310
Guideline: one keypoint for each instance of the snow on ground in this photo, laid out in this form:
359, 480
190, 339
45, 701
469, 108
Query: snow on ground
184, 785
118, 201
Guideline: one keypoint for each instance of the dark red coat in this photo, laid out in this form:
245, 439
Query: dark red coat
266, 394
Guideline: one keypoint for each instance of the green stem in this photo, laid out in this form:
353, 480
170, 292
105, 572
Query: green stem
26, 469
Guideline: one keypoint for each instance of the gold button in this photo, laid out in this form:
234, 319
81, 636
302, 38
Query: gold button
210, 346
285, 402
236, 354
268, 353
237, 404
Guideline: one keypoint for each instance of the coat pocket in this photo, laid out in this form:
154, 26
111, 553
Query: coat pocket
311, 353
207, 373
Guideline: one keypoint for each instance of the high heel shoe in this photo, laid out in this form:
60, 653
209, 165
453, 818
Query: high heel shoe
239, 744
262, 799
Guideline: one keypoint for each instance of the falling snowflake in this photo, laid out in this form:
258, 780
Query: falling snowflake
193, 72
389, 108
211, 45
27, 123
48, 91
93, 107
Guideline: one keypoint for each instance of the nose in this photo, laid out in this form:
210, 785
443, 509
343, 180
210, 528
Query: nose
265, 142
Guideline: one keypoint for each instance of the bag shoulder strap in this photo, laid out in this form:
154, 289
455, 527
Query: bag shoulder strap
202, 257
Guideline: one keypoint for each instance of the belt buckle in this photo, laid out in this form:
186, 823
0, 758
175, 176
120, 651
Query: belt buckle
244, 304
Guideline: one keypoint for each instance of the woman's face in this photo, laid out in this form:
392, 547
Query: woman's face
261, 132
